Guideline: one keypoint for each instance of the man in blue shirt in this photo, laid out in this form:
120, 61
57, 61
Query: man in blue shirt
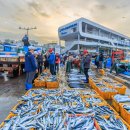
30, 67
51, 60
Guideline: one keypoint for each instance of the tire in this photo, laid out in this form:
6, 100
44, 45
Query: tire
15, 73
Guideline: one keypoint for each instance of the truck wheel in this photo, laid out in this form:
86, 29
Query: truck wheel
15, 73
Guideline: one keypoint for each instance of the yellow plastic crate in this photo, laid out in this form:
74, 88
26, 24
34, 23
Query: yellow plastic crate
118, 117
120, 90
52, 85
39, 83
115, 104
101, 71
103, 102
7, 118
125, 114
106, 95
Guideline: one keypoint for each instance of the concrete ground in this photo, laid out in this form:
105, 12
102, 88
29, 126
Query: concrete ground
11, 91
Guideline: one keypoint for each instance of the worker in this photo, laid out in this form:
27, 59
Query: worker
46, 62
97, 60
68, 64
51, 60
40, 61
115, 66
76, 62
81, 64
36, 75
86, 62
101, 58
105, 61
25, 40
30, 67
57, 63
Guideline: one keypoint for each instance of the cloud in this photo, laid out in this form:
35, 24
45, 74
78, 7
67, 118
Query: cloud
101, 7
48, 15
37, 7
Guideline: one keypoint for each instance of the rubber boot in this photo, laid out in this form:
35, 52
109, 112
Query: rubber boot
29, 86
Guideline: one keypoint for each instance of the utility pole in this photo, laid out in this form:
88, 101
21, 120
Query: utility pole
27, 29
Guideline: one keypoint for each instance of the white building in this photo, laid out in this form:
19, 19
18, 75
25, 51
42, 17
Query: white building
84, 33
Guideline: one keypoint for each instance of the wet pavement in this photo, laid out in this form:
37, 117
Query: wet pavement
10, 91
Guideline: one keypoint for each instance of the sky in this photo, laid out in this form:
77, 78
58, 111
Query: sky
48, 15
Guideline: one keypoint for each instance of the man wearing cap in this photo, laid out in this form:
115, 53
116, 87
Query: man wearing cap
51, 60
30, 67
57, 62
40, 61
86, 63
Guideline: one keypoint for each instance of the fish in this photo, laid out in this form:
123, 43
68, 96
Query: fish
93, 100
108, 89
112, 123
80, 123
53, 111
127, 107
102, 110
122, 98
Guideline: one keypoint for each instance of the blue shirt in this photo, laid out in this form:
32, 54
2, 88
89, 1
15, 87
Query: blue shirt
51, 58
30, 62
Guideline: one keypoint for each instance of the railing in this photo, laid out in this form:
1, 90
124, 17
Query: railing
73, 43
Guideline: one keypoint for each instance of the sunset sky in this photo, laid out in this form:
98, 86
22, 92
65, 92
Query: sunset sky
48, 15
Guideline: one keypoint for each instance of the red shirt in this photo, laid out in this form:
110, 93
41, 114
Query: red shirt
57, 60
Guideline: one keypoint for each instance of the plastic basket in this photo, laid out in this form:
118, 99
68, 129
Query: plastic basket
52, 85
115, 104
118, 117
7, 118
120, 90
101, 71
106, 95
124, 113
106, 116
39, 83
103, 102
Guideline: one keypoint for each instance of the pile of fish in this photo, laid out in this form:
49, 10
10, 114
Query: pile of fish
93, 100
99, 85
108, 90
127, 107
49, 112
122, 104
103, 110
122, 98
51, 79
81, 123
54, 111
89, 92
62, 109
43, 80
76, 79
112, 82
112, 123
106, 82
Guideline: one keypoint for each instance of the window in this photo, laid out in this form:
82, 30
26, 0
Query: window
83, 27
74, 29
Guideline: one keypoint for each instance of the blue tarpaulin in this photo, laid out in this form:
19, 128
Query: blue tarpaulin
126, 73
25, 49
109, 62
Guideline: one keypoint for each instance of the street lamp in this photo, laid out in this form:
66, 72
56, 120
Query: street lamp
27, 29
